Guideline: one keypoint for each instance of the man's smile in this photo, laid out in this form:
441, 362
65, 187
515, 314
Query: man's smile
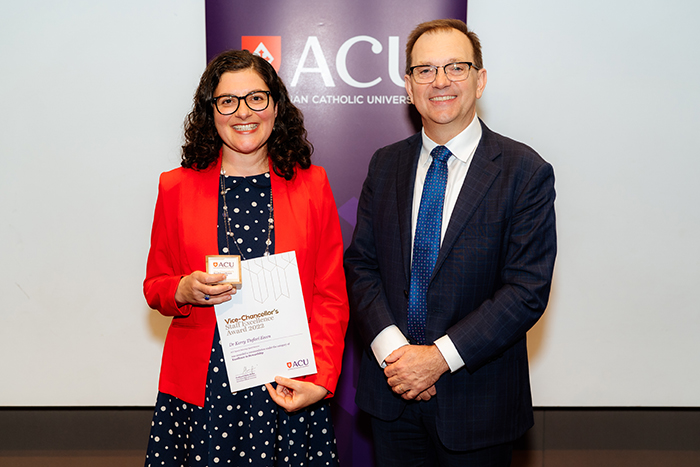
442, 98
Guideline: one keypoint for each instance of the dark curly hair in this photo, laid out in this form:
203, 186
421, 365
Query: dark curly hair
288, 144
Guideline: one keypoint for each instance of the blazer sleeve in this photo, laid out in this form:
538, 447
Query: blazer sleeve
371, 308
163, 269
328, 320
524, 278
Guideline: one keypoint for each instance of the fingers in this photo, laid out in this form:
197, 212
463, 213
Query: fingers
418, 368
279, 393
293, 395
214, 295
396, 354
206, 279
200, 288
409, 394
283, 390
406, 392
287, 382
216, 290
414, 371
427, 394
281, 396
284, 397
423, 396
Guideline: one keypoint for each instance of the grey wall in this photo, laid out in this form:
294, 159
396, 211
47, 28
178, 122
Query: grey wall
607, 92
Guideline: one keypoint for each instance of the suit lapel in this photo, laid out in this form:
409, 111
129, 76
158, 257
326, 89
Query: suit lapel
480, 176
405, 184
200, 205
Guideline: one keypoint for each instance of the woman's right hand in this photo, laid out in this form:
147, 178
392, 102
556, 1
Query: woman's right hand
198, 289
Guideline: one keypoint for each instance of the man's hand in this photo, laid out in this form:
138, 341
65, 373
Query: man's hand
427, 394
413, 370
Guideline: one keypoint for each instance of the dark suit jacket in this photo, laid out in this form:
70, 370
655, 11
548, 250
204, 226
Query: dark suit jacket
490, 284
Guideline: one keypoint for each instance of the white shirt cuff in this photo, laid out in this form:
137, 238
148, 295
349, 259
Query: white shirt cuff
390, 339
449, 353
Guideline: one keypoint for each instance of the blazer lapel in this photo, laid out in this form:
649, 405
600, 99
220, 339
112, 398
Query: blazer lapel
200, 205
482, 172
405, 184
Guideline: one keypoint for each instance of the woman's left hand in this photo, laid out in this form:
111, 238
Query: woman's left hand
293, 395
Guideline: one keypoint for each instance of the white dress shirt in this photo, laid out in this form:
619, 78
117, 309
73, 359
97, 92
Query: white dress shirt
462, 148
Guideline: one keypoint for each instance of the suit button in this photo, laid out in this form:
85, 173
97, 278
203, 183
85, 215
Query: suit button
405, 293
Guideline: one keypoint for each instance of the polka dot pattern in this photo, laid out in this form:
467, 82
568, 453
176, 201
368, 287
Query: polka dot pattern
247, 199
426, 243
243, 428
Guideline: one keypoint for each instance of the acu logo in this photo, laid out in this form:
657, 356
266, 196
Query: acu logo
267, 47
270, 48
298, 364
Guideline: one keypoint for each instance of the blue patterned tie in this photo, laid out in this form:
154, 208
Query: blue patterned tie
427, 241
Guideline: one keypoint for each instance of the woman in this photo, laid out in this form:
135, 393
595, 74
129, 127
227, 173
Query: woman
246, 154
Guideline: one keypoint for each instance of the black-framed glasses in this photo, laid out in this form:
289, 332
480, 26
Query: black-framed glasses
227, 104
456, 71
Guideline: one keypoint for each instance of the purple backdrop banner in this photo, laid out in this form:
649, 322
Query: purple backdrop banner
343, 66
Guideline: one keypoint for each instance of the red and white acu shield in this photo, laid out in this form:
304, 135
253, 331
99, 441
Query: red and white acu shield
267, 47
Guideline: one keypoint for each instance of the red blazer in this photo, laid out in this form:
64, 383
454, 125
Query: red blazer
184, 232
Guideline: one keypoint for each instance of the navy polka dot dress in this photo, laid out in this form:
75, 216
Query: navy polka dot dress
246, 427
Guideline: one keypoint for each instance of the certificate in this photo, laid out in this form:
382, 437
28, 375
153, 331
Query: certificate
264, 329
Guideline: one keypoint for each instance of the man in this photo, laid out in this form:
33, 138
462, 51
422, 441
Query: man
450, 265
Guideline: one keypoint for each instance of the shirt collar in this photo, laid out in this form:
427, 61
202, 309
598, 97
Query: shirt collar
461, 146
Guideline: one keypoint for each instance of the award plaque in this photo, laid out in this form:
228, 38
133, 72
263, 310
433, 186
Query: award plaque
225, 264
